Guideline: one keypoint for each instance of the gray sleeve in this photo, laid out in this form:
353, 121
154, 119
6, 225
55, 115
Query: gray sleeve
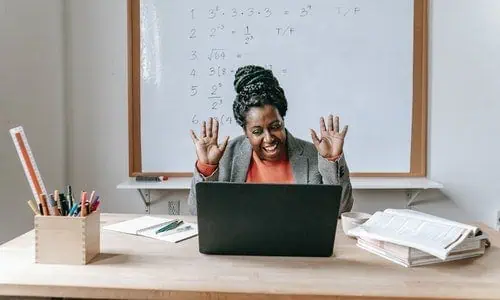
198, 177
337, 173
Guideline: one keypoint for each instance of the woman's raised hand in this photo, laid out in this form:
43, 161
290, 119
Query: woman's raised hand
207, 148
331, 143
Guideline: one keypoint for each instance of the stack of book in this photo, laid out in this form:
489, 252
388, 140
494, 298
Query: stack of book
410, 238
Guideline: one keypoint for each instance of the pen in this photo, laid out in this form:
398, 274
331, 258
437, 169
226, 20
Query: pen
77, 210
177, 230
96, 198
52, 205
170, 226
166, 225
91, 196
52, 202
73, 209
40, 208
69, 196
64, 204
57, 208
95, 205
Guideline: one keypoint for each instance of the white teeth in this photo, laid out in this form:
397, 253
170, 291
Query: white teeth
271, 148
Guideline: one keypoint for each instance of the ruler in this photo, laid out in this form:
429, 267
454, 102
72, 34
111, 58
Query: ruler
28, 162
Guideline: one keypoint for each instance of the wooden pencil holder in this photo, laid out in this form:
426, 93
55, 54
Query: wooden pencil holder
67, 240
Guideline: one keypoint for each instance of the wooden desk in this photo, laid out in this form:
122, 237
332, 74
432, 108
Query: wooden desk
135, 267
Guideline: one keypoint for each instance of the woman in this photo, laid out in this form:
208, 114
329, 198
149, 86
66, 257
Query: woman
267, 152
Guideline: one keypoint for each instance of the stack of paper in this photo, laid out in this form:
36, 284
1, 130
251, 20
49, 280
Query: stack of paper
412, 238
148, 226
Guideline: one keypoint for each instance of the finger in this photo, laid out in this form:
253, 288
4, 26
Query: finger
336, 124
209, 127
222, 147
322, 125
215, 129
315, 138
344, 131
193, 136
330, 123
203, 129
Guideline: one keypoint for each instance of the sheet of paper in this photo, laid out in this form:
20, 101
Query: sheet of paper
423, 216
136, 225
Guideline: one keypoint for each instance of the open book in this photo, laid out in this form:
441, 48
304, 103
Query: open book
428, 233
147, 226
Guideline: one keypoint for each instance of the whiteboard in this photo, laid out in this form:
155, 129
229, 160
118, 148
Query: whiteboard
350, 58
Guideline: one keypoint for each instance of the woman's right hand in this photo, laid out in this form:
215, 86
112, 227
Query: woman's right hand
207, 148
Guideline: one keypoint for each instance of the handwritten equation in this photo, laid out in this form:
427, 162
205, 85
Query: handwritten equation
212, 69
218, 12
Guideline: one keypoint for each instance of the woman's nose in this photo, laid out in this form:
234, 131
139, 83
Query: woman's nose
268, 138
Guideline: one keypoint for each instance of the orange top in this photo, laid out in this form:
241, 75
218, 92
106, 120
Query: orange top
269, 171
259, 170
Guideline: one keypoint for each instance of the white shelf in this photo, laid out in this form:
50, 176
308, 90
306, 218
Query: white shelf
173, 183
358, 183
370, 183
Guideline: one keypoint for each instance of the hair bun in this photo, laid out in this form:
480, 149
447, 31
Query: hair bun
253, 77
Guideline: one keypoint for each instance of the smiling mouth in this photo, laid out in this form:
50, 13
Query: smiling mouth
271, 149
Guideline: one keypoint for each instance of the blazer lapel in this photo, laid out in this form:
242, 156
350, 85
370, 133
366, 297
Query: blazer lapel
241, 162
299, 163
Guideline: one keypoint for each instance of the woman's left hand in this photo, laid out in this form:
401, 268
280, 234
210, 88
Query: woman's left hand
331, 143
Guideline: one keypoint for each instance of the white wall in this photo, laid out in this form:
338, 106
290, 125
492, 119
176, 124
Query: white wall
465, 103
31, 95
97, 102
464, 65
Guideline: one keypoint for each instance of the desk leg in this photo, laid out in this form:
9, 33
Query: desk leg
146, 198
411, 196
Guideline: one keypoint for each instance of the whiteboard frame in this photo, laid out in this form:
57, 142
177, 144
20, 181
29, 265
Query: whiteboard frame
418, 155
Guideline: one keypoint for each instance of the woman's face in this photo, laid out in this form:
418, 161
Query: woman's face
265, 130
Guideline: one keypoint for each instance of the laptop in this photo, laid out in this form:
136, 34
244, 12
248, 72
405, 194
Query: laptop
267, 219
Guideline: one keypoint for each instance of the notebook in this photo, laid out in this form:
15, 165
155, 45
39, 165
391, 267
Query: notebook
147, 226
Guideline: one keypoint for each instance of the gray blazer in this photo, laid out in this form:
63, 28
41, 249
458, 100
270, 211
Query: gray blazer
307, 167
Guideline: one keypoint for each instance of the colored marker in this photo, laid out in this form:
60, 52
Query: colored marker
82, 203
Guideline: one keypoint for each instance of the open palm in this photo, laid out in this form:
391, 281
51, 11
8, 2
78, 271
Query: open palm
207, 148
331, 143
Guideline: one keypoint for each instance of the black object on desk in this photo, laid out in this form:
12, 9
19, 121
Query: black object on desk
148, 178
267, 219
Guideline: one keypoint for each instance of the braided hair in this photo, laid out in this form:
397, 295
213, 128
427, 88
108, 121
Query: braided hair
256, 86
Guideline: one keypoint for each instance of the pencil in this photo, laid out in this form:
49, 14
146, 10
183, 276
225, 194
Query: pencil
33, 207
43, 200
